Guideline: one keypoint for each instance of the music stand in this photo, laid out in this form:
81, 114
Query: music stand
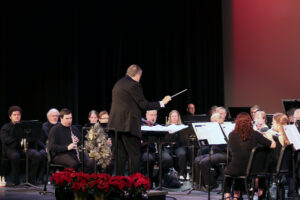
158, 134
188, 119
290, 103
84, 131
234, 111
212, 134
269, 119
31, 131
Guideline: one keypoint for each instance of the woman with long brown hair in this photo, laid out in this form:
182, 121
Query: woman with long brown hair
241, 141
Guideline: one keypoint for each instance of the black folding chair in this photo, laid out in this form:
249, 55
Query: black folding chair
285, 166
50, 165
257, 166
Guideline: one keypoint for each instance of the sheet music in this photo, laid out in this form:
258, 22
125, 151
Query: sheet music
210, 131
228, 128
153, 128
171, 129
293, 135
175, 128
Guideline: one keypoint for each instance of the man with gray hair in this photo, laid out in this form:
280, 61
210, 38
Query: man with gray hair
52, 116
52, 120
128, 102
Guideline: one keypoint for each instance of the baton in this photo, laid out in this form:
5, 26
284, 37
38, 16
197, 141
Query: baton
179, 93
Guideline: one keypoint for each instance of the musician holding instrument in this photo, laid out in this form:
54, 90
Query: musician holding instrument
167, 160
260, 123
52, 120
241, 141
14, 149
64, 142
103, 118
217, 155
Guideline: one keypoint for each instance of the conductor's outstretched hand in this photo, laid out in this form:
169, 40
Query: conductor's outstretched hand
166, 99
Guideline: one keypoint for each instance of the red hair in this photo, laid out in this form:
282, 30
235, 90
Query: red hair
243, 126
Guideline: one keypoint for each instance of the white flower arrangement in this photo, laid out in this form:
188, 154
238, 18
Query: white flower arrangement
97, 146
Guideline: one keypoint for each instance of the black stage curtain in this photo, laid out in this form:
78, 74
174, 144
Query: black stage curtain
70, 53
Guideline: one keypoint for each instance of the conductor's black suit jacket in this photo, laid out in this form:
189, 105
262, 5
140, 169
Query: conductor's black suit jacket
128, 102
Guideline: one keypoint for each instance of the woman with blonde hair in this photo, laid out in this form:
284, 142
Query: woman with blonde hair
174, 118
180, 150
279, 120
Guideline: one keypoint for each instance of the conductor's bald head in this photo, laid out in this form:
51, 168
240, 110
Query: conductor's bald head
135, 72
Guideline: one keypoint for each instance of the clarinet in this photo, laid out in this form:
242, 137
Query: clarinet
73, 140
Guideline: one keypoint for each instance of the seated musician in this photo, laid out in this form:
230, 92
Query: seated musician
167, 160
93, 118
52, 120
260, 124
290, 113
278, 134
179, 150
63, 144
296, 115
218, 155
253, 110
14, 150
241, 141
103, 118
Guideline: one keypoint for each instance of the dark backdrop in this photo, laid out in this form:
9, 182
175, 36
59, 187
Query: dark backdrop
70, 53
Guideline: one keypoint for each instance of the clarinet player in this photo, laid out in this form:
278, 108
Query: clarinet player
64, 141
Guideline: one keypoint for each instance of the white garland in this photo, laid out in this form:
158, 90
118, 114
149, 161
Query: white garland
97, 146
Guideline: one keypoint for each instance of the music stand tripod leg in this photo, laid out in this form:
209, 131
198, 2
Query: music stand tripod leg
116, 153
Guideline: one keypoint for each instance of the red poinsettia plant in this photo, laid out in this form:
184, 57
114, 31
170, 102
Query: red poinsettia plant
99, 183
80, 182
83, 183
140, 184
62, 179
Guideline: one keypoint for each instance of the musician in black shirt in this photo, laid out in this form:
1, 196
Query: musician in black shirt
64, 141
52, 120
14, 151
167, 160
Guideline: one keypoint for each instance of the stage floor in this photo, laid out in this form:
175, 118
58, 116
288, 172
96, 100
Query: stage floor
25, 193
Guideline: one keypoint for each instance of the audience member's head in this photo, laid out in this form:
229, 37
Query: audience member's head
53, 115
191, 109
103, 117
14, 114
151, 116
174, 118
253, 110
243, 126
93, 117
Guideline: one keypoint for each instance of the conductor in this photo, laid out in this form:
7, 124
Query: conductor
128, 102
